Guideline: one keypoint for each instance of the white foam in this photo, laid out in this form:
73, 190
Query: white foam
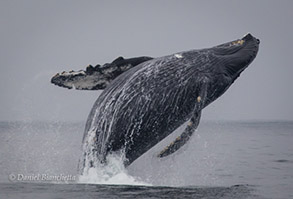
113, 173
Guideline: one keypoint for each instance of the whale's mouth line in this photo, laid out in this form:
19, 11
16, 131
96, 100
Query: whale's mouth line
247, 43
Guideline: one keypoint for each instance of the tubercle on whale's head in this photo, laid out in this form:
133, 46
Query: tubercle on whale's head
237, 55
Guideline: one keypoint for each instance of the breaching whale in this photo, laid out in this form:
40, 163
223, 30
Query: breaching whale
145, 99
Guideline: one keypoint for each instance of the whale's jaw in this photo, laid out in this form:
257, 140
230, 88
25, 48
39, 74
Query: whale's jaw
238, 54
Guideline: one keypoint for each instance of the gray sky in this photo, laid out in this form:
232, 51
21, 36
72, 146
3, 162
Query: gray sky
40, 38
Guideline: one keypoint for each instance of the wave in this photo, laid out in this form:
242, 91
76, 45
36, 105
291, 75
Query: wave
112, 173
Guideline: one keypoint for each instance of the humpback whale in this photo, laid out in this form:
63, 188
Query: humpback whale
145, 99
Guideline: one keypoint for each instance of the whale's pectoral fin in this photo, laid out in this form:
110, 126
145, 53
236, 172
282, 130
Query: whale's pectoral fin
96, 77
191, 126
183, 138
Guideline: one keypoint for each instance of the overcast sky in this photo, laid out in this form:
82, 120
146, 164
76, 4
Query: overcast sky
40, 38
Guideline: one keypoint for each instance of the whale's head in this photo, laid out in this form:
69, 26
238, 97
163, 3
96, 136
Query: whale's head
236, 55
228, 60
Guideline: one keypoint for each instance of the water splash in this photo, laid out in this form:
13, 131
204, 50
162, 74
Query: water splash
112, 173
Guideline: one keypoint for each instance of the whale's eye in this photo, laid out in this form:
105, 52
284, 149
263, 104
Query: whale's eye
238, 42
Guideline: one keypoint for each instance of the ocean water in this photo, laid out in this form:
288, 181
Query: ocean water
221, 160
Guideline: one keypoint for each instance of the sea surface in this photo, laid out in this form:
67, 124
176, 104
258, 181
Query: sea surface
221, 160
